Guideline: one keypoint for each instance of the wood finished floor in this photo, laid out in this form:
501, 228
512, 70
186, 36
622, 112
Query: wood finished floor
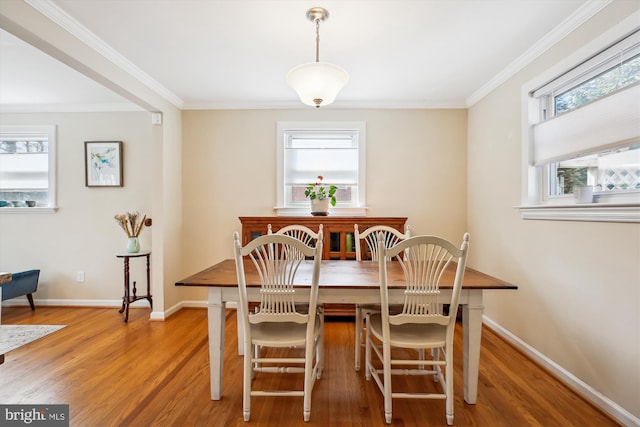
147, 373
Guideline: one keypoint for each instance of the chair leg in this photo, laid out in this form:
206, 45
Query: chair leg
256, 365
449, 380
309, 353
30, 298
358, 336
321, 348
386, 355
421, 357
435, 355
367, 353
246, 387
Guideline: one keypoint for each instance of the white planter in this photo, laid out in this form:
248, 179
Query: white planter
320, 207
583, 193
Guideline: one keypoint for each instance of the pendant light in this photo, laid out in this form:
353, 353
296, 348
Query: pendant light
317, 83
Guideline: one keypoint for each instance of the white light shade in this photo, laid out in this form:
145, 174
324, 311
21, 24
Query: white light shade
317, 81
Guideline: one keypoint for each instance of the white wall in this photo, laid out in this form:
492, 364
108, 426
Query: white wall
82, 235
416, 167
578, 297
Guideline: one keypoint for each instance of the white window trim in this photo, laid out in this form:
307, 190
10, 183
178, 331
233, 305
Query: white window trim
532, 207
282, 127
50, 130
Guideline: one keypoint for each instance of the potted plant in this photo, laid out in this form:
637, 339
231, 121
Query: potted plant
320, 197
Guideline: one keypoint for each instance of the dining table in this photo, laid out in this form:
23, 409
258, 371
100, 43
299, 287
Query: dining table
342, 282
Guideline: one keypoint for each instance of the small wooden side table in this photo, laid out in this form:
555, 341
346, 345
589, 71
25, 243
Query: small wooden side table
127, 299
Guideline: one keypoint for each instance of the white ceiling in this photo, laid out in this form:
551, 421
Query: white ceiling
236, 53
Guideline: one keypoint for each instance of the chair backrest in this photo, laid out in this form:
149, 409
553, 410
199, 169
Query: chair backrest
300, 232
277, 258
391, 237
424, 261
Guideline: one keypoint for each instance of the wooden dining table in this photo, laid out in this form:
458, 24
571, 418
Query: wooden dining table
343, 282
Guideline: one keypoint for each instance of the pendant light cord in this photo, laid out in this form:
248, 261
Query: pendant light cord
317, 40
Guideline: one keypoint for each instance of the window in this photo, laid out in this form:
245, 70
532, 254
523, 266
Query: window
582, 130
334, 150
27, 165
611, 173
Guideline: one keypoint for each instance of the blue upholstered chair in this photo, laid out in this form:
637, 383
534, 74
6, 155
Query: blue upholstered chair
22, 283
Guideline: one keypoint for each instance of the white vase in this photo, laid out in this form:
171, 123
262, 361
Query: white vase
320, 207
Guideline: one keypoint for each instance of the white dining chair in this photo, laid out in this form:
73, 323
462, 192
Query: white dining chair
421, 324
276, 322
300, 232
368, 240
309, 238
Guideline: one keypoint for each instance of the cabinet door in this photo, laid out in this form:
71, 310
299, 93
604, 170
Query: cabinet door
340, 244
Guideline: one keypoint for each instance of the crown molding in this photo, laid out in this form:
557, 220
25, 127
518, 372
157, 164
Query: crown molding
71, 25
338, 105
579, 17
69, 108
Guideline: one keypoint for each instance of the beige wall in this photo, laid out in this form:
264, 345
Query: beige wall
82, 235
416, 167
578, 301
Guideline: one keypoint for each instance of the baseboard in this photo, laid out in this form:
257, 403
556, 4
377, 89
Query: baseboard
73, 302
582, 388
155, 315
192, 304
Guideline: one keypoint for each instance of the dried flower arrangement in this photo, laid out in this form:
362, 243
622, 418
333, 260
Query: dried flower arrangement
129, 223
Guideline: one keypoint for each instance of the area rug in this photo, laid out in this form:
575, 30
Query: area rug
14, 336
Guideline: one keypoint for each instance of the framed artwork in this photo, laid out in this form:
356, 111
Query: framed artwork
103, 163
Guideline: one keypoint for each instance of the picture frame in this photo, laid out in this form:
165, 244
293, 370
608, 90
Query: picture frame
103, 163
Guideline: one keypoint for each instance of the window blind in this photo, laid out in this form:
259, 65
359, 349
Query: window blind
609, 122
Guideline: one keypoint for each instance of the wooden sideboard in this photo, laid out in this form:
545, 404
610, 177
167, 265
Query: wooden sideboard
338, 239
338, 230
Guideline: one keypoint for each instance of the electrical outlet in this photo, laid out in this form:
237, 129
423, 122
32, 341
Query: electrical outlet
80, 276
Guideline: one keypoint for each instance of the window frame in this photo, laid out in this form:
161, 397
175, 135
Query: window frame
283, 128
535, 203
50, 131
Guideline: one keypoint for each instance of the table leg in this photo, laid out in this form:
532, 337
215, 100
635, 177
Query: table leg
216, 319
472, 335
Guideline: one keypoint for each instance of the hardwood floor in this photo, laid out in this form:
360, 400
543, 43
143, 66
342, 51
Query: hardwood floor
148, 373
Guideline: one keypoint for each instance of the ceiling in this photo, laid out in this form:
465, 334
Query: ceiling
212, 54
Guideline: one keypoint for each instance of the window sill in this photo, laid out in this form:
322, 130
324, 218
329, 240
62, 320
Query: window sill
590, 212
35, 210
283, 211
